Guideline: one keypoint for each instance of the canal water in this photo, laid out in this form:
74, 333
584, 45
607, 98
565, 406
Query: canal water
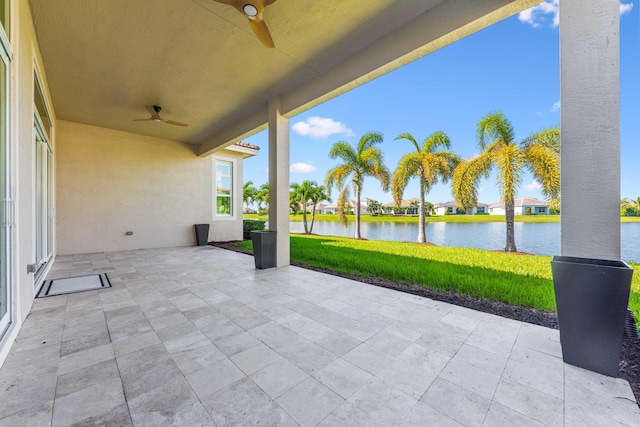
535, 238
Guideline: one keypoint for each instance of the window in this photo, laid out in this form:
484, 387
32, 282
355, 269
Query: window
224, 188
480, 209
450, 209
541, 209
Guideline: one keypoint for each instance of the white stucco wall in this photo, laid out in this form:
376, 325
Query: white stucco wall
111, 182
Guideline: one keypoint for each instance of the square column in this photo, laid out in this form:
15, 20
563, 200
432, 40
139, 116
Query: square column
279, 180
590, 124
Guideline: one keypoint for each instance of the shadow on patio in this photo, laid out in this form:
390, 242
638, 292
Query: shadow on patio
197, 336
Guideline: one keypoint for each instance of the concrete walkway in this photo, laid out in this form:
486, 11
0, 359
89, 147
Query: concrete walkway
197, 336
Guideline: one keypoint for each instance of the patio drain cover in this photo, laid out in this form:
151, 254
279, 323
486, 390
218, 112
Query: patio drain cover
70, 285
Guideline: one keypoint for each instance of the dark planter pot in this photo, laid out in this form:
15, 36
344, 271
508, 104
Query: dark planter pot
264, 248
202, 234
591, 297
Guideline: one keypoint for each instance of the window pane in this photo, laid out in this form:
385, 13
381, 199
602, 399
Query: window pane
224, 187
223, 205
223, 168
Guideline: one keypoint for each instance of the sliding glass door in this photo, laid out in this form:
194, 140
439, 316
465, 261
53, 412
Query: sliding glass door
43, 208
7, 205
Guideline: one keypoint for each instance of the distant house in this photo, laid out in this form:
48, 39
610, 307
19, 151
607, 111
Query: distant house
522, 206
450, 208
405, 207
333, 208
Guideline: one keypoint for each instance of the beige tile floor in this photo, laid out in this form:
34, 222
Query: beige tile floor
198, 336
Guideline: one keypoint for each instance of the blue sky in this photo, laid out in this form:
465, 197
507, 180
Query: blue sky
512, 66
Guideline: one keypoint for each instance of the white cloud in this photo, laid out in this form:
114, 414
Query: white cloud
480, 190
535, 185
537, 15
625, 8
301, 168
556, 107
319, 128
542, 13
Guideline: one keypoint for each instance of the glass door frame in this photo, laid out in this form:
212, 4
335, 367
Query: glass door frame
43, 193
7, 201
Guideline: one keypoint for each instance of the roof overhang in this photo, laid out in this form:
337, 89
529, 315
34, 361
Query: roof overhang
199, 60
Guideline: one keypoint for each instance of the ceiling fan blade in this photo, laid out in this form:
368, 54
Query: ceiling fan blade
231, 2
171, 122
151, 110
262, 32
143, 120
268, 2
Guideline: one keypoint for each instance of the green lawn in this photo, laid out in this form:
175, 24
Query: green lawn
515, 279
437, 218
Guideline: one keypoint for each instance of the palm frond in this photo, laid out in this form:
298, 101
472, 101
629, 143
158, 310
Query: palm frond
409, 166
466, 177
337, 177
492, 128
409, 137
342, 150
435, 140
510, 163
544, 164
549, 138
369, 140
343, 199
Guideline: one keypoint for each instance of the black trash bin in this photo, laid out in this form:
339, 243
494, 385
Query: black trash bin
264, 248
202, 234
591, 297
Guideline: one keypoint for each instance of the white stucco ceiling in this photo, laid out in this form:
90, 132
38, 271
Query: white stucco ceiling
198, 59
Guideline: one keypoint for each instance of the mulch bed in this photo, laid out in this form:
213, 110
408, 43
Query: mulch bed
629, 367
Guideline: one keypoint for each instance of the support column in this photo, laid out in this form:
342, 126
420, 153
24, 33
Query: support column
590, 123
279, 180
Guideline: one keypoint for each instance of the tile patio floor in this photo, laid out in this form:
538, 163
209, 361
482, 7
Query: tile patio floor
197, 336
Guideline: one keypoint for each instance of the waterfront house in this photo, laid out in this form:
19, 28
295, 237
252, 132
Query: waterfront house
522, 206
450, 208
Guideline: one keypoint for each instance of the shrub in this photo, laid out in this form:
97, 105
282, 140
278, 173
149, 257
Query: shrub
481, 213
248, 225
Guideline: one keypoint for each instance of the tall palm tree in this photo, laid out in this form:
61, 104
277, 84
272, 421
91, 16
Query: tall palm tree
539, 152
430, 163
302, 194
364, 160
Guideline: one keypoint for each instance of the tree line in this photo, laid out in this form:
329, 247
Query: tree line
432, 162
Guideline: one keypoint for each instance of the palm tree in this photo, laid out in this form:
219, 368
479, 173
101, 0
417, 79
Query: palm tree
302, 194
249, 193
262, 197
374, 207
431, 163
364, 160
539, 152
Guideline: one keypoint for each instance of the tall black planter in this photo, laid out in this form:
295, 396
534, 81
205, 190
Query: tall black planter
592, 297
264, 248
202, 234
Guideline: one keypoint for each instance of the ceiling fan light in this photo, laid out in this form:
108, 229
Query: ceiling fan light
157, 120
250, 10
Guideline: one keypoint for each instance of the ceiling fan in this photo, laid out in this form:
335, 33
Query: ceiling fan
253, 10
155, 116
